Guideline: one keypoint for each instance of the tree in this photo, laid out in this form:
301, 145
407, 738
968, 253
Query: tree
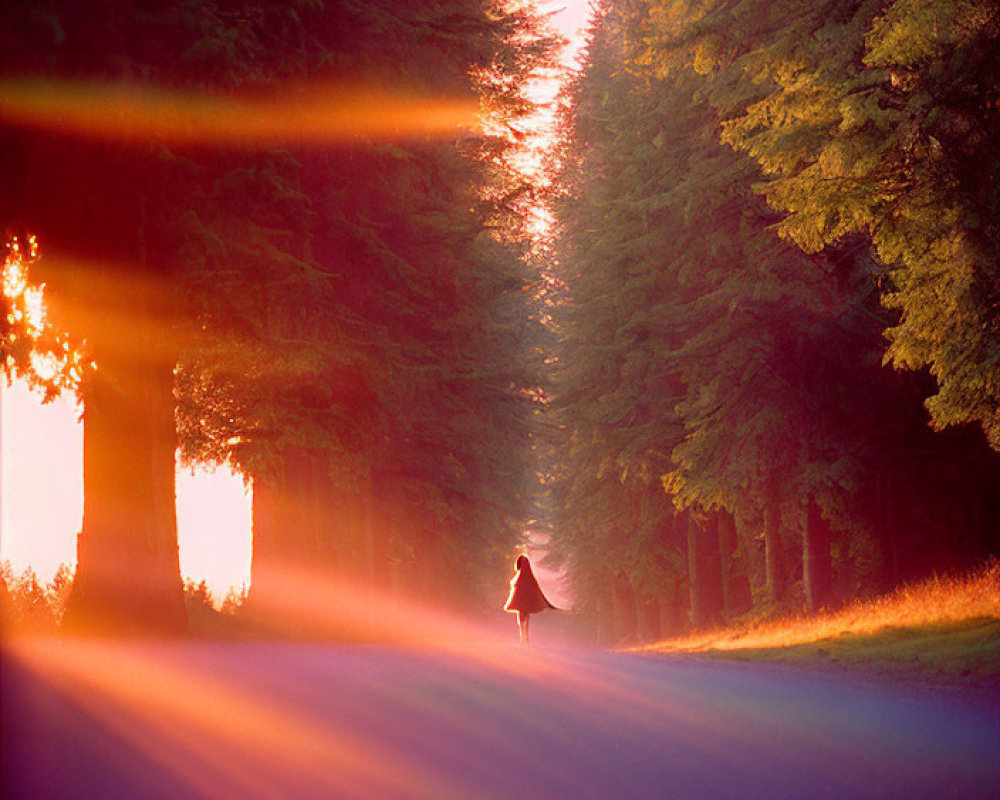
611, 408
385, 422
753, 365
881, 118
116, 217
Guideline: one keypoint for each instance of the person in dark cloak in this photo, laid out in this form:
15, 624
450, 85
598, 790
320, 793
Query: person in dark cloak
525, 596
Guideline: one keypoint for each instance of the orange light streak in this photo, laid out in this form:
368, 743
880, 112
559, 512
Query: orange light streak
117, 305
137, 113
205, 729
205, 713
209, 733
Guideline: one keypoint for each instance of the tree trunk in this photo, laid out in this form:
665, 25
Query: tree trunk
816, 563
703, 572
683, 522
604, 616
266, 513
672, 612
625, 611
291, 522
727, 550
891, 533
128, 571
772, 553
649, 619
307, 523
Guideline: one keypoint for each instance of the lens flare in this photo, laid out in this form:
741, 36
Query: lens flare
205, 731
138, 113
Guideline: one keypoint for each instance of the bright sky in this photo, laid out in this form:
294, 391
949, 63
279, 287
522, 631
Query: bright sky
570, 20
41, 486
41, 457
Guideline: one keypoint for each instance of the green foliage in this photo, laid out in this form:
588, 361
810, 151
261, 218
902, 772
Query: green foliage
610, 414
355, 301
209, 619
881, 119
729, 348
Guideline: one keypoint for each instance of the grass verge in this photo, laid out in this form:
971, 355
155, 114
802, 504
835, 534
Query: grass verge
943, 629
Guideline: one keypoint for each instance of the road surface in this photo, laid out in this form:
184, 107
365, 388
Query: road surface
264, 720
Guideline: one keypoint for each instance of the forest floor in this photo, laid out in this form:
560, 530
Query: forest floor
480, 718
966, 652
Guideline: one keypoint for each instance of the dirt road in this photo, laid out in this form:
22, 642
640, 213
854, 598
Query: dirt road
482, 720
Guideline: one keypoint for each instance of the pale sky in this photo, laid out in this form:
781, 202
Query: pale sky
41, 492
572, 16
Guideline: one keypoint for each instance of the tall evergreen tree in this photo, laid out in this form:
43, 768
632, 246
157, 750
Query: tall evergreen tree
761, 382
387, 433
881, 118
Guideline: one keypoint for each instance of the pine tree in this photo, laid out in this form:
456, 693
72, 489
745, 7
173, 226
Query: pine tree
882, 119
385, 425
119, 221
611, 399
769, 409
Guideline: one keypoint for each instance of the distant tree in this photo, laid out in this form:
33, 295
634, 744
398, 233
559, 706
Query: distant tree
59, 589
385, 419
27, 604
198, 594
234, 600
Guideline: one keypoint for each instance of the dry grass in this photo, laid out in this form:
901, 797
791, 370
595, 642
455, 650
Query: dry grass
945, 625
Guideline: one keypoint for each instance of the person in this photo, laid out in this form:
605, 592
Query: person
525, 596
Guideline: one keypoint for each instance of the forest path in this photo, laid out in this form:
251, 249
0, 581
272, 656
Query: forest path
476, 720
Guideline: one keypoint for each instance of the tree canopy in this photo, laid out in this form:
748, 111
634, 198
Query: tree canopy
339, 317
734, 177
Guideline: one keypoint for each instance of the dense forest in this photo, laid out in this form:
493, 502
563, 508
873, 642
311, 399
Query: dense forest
752, 368
778, 247
338, 317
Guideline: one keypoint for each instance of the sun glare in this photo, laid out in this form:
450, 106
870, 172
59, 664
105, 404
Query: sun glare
27, 302
41, 445
50, 357
213, 524
15, 279
34, 304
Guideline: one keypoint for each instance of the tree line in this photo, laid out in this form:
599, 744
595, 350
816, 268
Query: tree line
340, 320
778, 242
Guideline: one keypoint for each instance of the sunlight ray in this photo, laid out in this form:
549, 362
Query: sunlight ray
134, 113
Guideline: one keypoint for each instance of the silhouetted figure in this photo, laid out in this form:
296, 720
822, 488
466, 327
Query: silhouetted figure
525, 596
